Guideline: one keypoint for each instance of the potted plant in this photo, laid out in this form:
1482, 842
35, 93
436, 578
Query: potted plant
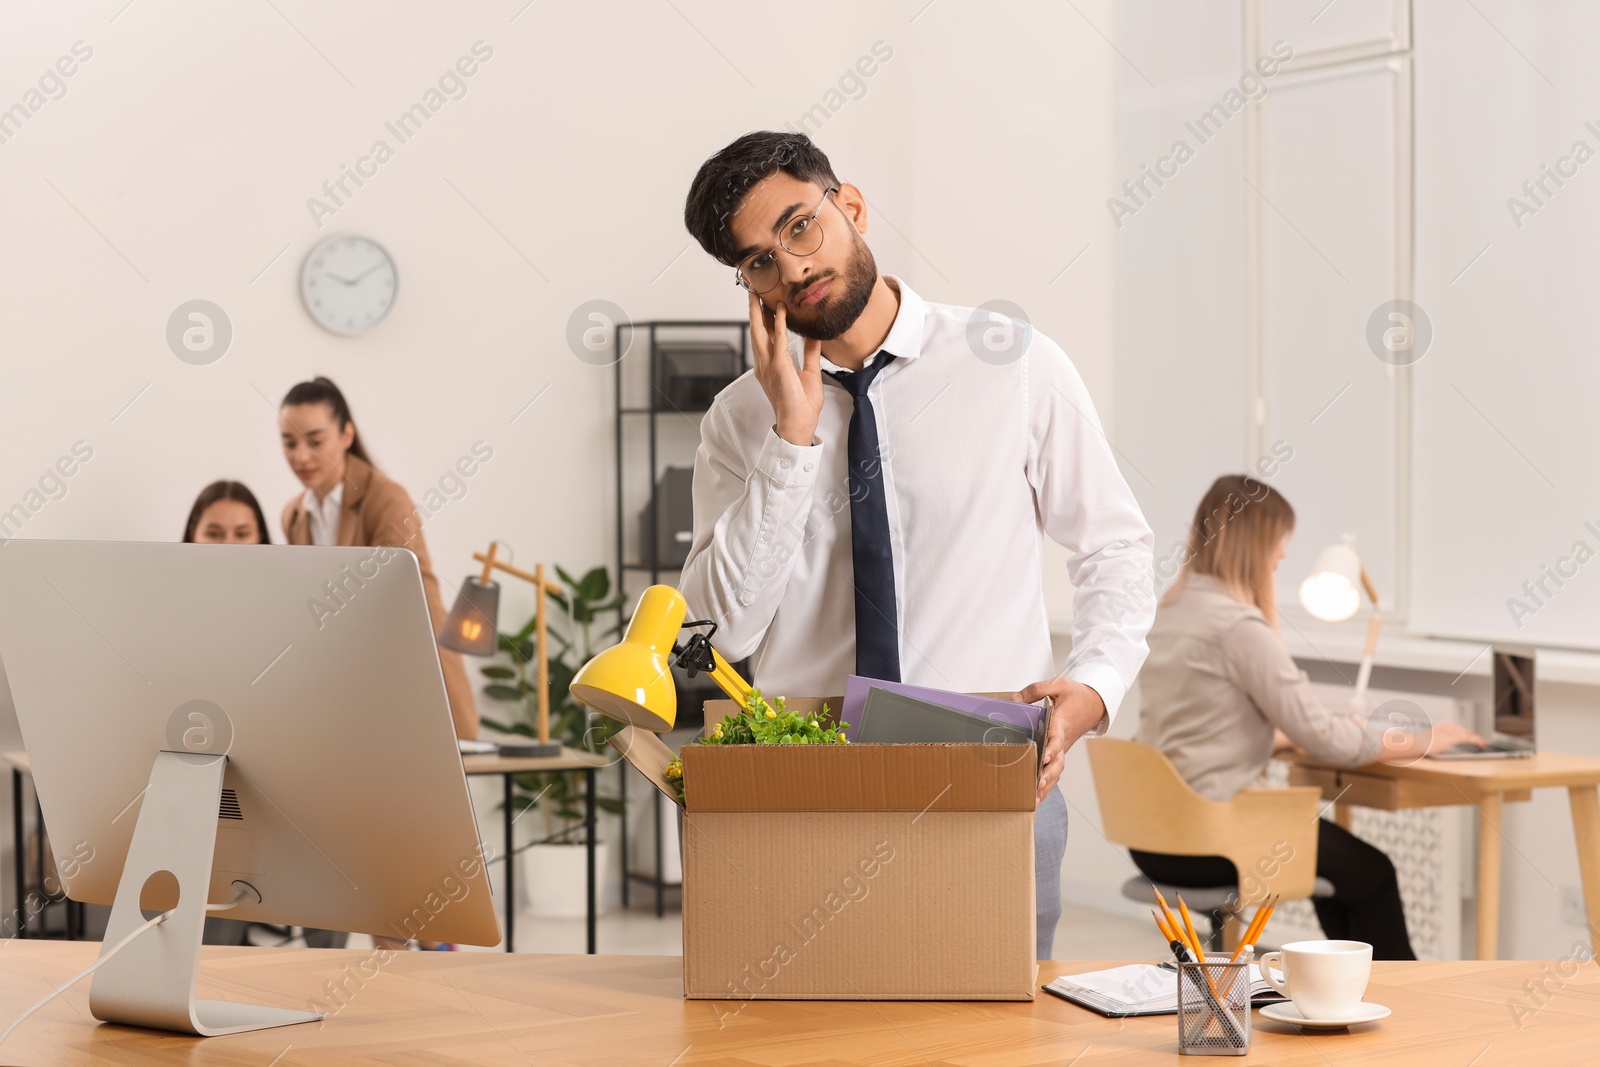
553, 863
763, 722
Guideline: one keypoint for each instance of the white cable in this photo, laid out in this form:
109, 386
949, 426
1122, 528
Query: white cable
81, 975
118, 947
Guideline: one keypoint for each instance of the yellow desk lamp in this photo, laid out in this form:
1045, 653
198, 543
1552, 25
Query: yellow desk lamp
472, 629
632, 681
1332, 593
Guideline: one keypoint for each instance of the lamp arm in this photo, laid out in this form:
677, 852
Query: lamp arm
1366, 583
492, 564
542, 586
730, 680
1364, 674
697, 655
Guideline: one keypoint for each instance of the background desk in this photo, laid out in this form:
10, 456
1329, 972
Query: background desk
508, 767
1485, 785
493, 1009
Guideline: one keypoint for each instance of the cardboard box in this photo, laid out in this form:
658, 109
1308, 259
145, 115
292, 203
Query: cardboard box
852, 872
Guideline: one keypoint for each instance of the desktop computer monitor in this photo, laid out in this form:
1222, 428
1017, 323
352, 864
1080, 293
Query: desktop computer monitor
260, 723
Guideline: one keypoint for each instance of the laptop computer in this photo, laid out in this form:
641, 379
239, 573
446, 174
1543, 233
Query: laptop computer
1508, 731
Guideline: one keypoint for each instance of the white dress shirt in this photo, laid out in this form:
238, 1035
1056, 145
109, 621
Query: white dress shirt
325, 516
981, 460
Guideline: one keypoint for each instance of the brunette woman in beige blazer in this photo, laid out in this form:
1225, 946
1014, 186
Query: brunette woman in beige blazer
348, 501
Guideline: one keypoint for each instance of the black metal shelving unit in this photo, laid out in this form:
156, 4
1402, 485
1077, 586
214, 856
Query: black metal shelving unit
647, 562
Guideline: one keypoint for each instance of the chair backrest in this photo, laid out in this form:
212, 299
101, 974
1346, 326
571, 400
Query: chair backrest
1269, 834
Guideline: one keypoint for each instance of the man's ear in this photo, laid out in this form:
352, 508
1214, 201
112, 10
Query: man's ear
853, 204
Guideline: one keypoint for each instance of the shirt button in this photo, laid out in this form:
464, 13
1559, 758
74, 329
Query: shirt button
783, 463
810, 465
766, 537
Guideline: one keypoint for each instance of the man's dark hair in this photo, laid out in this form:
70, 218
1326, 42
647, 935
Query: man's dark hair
725, 178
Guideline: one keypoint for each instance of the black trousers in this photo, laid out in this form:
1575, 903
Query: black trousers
1365, 905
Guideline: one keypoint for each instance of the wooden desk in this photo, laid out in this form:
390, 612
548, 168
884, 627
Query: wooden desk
1486, 785
508, 767
509, 1011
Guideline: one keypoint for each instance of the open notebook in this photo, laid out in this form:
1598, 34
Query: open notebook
1140, 989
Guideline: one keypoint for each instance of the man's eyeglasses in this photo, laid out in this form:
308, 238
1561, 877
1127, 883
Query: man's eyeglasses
802, 237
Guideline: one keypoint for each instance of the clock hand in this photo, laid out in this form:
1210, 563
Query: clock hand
336, 278
366, 272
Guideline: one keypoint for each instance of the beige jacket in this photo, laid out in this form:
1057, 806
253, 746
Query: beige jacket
1216, 683
376, 512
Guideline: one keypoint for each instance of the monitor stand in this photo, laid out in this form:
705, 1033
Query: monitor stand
151, 982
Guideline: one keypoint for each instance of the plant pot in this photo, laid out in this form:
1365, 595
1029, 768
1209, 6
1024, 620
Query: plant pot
556, 881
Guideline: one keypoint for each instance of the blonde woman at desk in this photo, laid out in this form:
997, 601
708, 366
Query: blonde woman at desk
1221, 694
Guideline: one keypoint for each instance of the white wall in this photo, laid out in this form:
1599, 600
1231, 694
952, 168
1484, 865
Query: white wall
1012, 125
1509, 402
1499, 91
179, 161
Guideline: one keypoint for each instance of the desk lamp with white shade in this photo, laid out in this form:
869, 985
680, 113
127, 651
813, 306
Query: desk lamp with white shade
1332, 592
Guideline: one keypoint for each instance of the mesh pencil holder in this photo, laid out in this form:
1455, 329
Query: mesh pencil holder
1214, 1007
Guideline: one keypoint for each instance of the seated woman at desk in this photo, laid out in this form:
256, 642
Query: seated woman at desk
348, 501
226, 513
1221, 694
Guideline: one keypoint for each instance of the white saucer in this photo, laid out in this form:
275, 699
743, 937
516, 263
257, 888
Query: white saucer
1286, 1012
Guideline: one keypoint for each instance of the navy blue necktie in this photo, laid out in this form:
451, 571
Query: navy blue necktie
877, 629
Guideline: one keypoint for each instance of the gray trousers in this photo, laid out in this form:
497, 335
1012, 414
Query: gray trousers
1049, 849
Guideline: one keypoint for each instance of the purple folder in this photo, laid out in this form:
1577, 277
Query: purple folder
1025, 716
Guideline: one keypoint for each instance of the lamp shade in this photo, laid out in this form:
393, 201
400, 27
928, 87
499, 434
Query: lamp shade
470, 626
1332, 592
632, 681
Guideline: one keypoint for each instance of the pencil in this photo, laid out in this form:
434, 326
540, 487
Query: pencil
1179, 950
1188, 924
1197, 952
1250, 931
1258, 924
1272, 906
1172, 920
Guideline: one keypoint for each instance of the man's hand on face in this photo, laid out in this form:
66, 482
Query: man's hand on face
795, 395
1075, 709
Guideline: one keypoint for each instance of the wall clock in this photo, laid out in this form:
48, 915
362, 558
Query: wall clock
348, 284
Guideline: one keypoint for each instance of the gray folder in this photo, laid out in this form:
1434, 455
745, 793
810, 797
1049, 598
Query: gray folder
894, 718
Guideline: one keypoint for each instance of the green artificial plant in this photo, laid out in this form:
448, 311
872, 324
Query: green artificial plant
571, 633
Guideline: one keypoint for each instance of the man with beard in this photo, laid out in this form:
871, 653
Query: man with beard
881, 507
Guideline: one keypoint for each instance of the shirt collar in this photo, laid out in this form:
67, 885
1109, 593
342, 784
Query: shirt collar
905, 334
331, 502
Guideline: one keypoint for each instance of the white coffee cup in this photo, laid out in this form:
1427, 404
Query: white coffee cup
1325, 979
